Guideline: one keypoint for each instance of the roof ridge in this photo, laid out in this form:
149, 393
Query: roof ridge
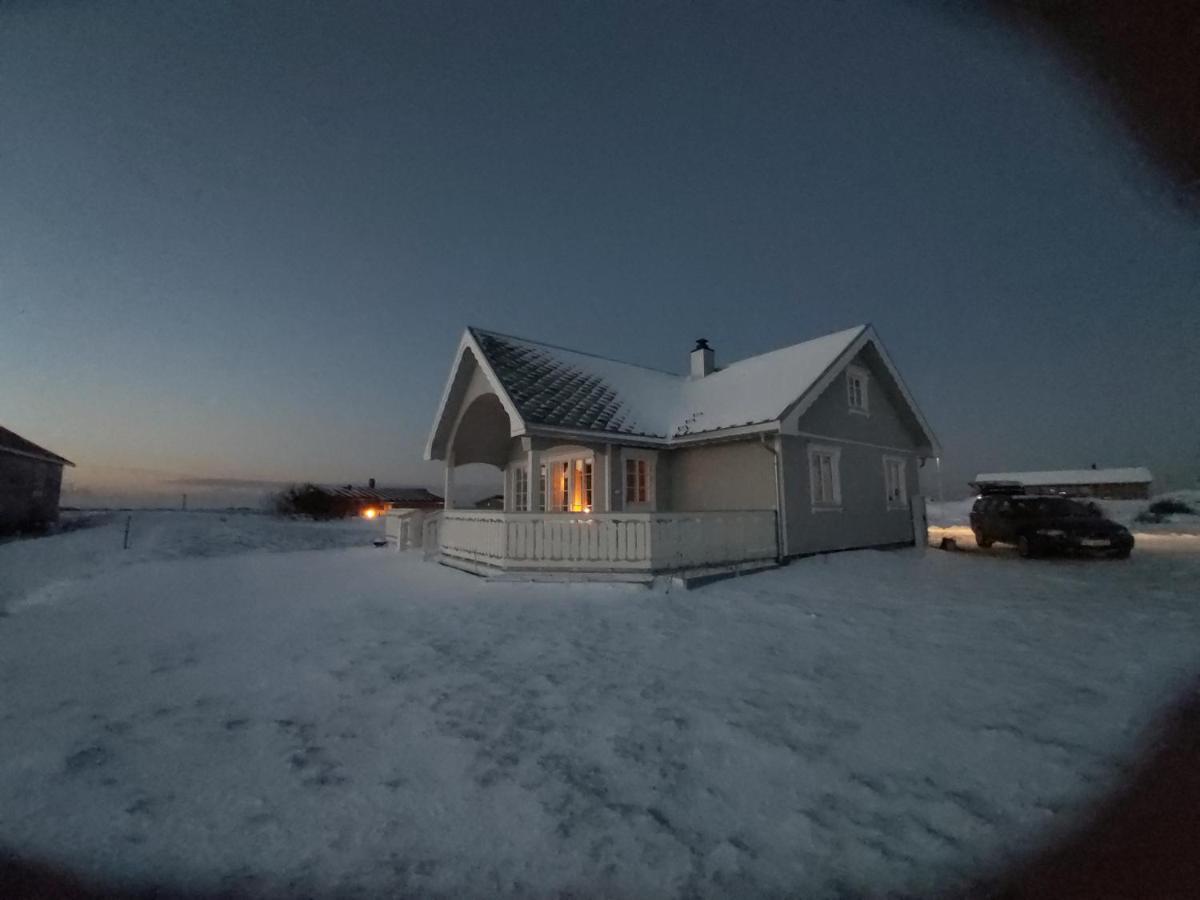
859, 329
12, 442
515, 337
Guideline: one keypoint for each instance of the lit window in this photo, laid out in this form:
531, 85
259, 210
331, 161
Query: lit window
581, 486
637, 478
856, 389
824, 478
520, 485
560, 485
894, 483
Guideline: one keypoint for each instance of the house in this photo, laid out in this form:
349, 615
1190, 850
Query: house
30, 481
617, 468
349, 500
1108, 484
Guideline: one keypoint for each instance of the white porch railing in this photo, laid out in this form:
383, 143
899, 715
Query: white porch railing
598, 542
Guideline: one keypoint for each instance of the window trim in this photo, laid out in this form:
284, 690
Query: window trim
835, 467
649, 460
863, 378
901, 463
551, 459
520, 487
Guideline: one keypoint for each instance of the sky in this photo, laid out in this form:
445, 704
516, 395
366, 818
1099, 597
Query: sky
239, 242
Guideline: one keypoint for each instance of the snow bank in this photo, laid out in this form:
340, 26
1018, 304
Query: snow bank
358, 721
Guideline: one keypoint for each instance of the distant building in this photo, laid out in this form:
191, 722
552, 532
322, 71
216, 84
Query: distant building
356, 501
1106, 484
30, 481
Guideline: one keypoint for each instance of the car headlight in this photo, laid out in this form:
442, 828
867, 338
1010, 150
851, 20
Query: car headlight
1051, 532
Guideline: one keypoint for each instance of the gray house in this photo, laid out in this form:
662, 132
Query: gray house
30, 480
616, 468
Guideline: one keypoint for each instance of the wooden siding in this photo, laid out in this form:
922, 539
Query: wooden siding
29, 490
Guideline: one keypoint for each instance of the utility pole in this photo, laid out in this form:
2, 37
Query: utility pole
183, 504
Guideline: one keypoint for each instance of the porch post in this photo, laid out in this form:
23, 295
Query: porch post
533, 459
448, 482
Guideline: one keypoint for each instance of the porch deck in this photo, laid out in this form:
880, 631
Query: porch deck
599, 543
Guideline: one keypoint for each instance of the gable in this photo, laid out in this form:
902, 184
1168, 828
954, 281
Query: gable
470, 378
889, 420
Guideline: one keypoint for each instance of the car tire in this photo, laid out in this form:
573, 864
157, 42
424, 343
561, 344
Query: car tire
1120, 554
981, 540
1024, 547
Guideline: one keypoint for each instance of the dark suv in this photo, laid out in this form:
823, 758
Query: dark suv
1047, 524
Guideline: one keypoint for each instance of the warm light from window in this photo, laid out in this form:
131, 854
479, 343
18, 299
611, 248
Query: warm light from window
369, 513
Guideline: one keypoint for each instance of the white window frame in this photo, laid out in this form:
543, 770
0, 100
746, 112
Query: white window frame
548, 461
520, 488
647, 459
819, 503
858, 383
900, 500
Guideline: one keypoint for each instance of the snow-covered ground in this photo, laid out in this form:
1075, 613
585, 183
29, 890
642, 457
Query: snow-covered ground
33, 569
356, 720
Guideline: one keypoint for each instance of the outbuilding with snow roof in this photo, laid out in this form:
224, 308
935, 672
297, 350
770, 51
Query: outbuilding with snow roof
1129, 483
611, 467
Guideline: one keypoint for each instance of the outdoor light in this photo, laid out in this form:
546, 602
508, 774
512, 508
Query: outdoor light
369, 513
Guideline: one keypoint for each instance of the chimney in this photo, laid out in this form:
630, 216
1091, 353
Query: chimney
371, 483
702, 359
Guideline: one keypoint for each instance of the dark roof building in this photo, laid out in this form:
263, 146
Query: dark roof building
30, 483
383, 497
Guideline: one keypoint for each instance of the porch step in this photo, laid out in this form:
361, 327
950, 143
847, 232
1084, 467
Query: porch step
695, 578
685, 579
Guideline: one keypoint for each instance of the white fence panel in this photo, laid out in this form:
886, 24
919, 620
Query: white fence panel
604, 541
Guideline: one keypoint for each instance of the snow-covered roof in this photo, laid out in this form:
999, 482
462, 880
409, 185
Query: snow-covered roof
11, 442
1134, 475
555, 387
384, 494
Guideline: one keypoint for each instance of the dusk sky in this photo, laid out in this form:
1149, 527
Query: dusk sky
240, 241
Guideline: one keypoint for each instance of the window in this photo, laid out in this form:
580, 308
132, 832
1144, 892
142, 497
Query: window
581, 486
567, 484
824, 478
637, 477
541, 504
520, 489
560, 485
894, 483
856, 389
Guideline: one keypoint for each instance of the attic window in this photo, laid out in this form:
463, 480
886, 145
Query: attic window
856, 390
